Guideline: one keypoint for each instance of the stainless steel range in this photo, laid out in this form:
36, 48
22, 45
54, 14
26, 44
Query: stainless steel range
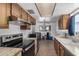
12, 40
16, 41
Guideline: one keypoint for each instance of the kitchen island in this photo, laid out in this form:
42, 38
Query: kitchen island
7, 51
68, 45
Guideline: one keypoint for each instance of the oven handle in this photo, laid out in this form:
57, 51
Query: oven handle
28, 47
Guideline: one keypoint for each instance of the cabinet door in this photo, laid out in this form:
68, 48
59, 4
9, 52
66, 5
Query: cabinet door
56, 45
32, 21
61, 50
60, 24
16, 10
28, 26
29, 18
3, 15
8, 9
65, 21
24, 15
23, 27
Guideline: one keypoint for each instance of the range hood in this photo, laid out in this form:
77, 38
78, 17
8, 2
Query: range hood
17, 21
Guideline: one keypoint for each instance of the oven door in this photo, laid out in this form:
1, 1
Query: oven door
29, 50
13, 43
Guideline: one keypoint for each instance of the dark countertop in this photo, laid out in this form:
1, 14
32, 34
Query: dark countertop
26, 43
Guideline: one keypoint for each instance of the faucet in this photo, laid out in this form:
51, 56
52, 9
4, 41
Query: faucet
65, 35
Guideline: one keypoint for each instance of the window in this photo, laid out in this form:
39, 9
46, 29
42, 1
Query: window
77, 23
45, 28
48, 28
41, 28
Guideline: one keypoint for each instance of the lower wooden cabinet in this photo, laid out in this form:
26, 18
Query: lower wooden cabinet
59, 48
56, 45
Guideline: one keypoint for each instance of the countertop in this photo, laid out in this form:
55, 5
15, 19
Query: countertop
69, 45
26, 43
6, 51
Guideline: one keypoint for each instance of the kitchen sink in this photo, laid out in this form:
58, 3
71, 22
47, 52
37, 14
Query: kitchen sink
75, 39
70, 41
65, 37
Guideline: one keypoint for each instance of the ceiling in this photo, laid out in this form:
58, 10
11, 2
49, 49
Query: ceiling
49, 9
64, 8
45, 9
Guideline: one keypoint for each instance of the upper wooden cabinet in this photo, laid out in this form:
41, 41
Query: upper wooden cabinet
59, 48
8, 9
24, 15
3, 15
63, 22
31, 20
25, 27
16, 10
13, 9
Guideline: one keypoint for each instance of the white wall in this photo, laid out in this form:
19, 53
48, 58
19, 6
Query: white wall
55, 29
53, 26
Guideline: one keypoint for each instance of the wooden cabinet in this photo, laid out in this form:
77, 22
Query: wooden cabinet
23, 27
56, 45
3, 15
8, 9
32, 20
16, 10
28, 26
24, 15
63, 22
29, 18
59, 48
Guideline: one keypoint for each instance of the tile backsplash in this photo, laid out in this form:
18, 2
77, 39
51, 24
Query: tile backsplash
14, 29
